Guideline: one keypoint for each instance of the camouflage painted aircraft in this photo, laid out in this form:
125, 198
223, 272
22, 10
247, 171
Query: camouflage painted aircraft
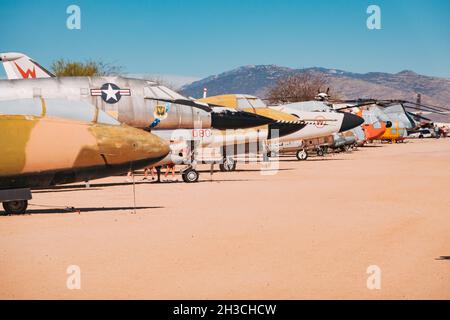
46, 142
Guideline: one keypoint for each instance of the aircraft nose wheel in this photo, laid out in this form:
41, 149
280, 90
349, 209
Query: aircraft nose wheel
15, 207
228, 165
190, 175
320, 152
302, 155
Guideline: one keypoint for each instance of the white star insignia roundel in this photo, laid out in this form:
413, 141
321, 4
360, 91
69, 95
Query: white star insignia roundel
110, 92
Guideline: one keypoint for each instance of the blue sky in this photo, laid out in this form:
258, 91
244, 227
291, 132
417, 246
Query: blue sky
204, 37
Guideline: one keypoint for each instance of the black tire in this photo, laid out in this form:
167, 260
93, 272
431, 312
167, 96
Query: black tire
190, 175
421, 136
301, 155
320, 152
227, 165
15, 207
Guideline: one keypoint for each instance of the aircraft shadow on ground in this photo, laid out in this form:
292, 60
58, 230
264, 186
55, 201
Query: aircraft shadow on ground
443, 258
262, 169
86, 209
206, 180
372, 146
93, 186
99, 186
314, 159
72, 189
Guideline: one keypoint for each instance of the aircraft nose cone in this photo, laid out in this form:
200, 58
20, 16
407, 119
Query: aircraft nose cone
284, 128
120, 145
237, 120
388, 124
350, 121
153, 147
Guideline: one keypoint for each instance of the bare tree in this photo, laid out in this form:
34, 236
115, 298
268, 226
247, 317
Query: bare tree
299, 87
67, 68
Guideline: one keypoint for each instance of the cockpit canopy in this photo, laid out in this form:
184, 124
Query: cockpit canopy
154, 91
309, 106
247, 101
236, 101
57, 108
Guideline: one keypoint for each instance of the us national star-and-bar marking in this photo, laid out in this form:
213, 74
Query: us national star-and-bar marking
110, 92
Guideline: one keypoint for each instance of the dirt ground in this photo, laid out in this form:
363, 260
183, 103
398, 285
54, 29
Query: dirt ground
308, 230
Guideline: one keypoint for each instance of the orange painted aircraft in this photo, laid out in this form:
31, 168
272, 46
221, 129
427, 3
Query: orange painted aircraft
373, 127
394, 134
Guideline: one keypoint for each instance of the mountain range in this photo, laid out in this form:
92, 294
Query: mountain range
257, 80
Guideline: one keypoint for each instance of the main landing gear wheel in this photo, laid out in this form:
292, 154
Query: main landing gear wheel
302, 155
15, 207
228, 165
190, 175
320, 152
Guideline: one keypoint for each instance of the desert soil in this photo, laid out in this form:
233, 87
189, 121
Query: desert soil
308, 230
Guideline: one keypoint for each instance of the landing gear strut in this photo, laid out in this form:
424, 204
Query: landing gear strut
158, 174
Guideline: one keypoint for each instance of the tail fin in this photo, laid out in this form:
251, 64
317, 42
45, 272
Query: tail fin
19, 66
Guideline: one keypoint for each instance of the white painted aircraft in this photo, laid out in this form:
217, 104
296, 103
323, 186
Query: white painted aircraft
320, 122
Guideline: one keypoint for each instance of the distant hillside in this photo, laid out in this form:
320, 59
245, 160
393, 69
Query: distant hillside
256, 80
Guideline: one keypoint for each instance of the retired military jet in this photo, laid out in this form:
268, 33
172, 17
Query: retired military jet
322, 122
285, 122
317, 124
19, 66
139, 103
46, 142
